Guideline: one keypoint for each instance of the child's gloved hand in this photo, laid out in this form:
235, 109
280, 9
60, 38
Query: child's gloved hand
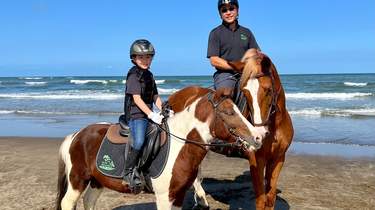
156, 117
170, 113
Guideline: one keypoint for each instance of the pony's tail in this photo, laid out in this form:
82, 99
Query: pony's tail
62, 182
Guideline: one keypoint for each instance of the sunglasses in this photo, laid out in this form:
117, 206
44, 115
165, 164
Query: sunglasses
225, 9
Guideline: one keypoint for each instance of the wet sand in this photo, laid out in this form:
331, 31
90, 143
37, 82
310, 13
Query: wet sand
28, 175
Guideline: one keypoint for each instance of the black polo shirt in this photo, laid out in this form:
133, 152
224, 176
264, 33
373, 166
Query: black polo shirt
230, 45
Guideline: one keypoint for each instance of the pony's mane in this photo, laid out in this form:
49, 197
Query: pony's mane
184, 97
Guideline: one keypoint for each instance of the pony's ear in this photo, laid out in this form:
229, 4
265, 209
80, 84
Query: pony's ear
237, 65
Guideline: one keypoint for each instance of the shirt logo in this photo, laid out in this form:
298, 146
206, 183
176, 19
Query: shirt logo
243, 37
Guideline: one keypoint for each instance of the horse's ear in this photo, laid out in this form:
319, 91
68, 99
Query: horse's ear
266, 64
237, 65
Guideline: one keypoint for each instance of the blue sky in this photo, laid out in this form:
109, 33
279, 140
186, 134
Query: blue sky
58, 38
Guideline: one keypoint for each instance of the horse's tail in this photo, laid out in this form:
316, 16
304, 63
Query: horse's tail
62, 182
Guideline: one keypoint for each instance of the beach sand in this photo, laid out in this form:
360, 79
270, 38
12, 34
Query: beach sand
28, 175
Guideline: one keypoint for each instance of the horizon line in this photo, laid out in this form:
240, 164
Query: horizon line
346, 73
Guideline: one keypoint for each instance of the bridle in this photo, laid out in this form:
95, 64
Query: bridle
273, 105
239, 143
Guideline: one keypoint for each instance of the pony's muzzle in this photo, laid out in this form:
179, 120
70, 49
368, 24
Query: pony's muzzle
250, 143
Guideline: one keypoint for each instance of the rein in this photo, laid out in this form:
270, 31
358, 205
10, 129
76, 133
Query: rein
241, 143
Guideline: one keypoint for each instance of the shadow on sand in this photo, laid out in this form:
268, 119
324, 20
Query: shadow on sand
235, 194
139, 206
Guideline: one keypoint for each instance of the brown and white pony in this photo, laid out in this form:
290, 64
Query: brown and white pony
200, 116
266, 110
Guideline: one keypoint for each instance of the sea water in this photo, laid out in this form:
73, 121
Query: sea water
328, 111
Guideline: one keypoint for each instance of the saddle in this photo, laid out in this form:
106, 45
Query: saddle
112, 153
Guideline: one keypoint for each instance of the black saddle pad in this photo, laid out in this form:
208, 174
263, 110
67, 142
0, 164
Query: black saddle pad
110, 159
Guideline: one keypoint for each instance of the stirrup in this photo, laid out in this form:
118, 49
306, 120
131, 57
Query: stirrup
134, 181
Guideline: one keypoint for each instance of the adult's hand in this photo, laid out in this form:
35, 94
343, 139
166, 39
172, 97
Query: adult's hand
237, 66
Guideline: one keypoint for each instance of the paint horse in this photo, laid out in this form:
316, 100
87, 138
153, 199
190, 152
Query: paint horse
265, 110
205, 116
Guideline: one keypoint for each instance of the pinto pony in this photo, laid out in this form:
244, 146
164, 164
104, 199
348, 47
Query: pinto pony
266, 110
200, 116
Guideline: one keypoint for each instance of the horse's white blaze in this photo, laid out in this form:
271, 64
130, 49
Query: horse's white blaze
71, 196
253, 87
180, 125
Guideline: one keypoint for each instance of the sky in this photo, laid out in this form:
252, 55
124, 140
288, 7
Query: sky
92, 38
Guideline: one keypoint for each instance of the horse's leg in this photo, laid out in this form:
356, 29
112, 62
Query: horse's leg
91, 196
273, 170
73, 183
199, 193
162, 200
171, 196
257, 177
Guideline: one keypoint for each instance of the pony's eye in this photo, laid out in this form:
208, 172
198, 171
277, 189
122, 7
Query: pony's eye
268, 91
229, 112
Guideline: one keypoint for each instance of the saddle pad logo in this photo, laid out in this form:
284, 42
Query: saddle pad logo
243, 37
107, 163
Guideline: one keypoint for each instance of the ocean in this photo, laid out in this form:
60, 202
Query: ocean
331, 113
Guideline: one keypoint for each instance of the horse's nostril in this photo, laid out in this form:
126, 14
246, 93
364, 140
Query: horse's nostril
267, 133
257, 138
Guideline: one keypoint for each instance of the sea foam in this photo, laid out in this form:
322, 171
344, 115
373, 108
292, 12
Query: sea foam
364, 112
81, 82
318, 96
36, 83
162, 81
353, 84
165, 91
54, 96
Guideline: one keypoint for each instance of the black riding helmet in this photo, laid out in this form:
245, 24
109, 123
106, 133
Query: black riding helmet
141, 47
222, 2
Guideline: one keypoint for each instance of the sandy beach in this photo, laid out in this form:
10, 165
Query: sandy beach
28, 175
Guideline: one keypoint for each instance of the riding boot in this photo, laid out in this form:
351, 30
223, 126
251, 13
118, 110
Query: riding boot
132, 175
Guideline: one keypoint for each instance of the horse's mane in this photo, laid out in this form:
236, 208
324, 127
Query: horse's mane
256, 63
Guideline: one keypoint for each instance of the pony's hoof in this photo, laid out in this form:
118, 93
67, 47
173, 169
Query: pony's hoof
200, 207
136, 189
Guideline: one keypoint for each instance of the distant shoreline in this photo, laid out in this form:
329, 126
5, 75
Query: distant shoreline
209, 75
